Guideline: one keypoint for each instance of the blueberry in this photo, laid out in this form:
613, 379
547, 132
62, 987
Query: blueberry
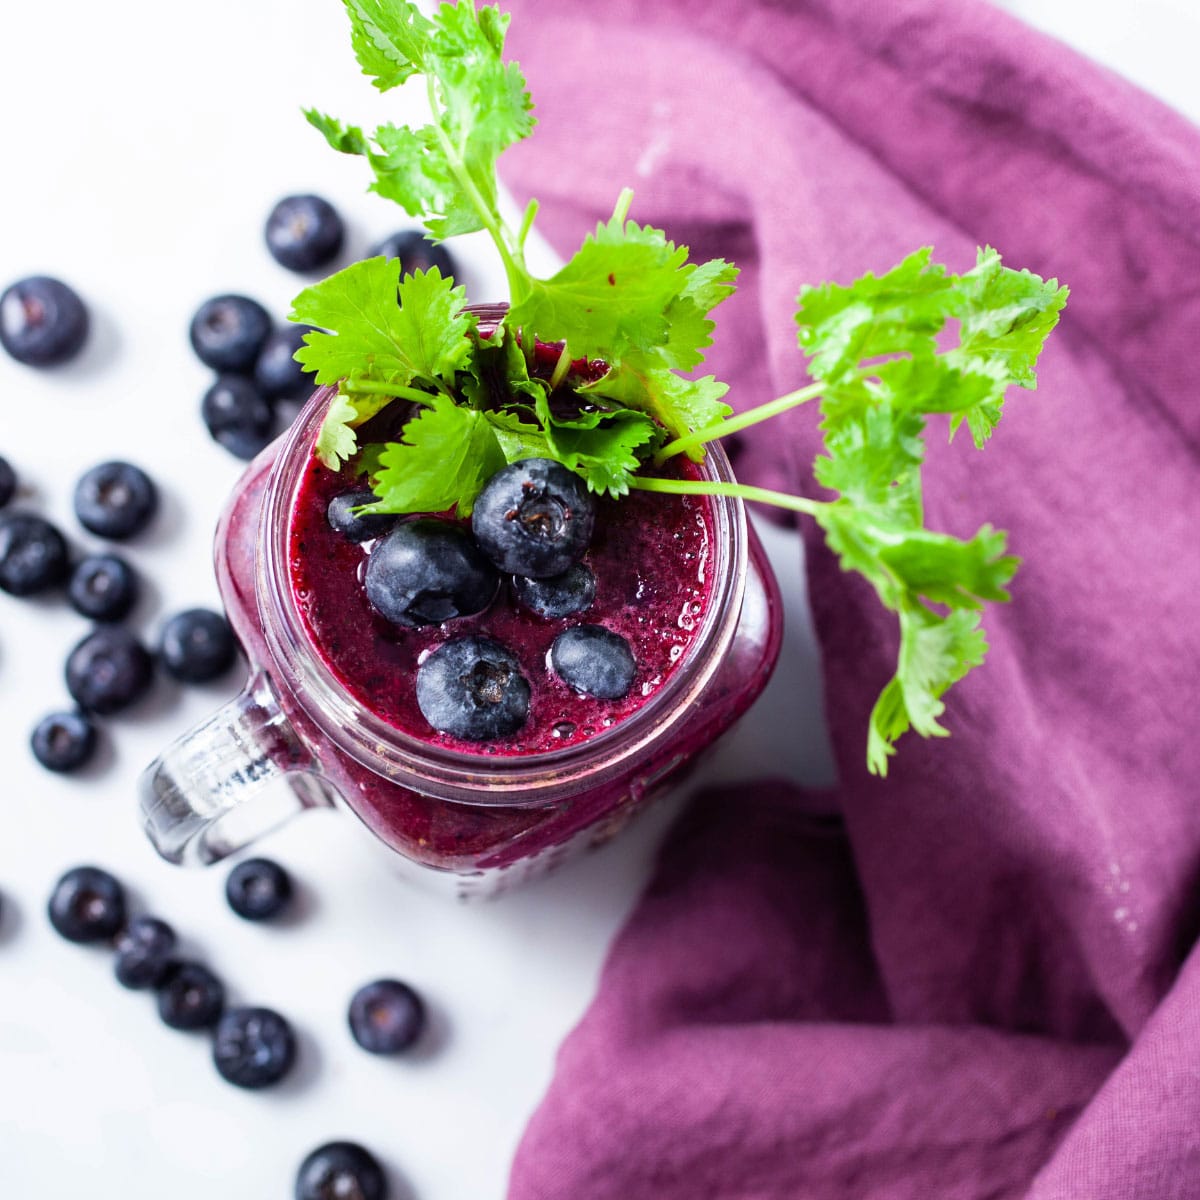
428, 571
103, 587
594, 660
386, 1017
87, 905
189, 996
144, 948
42, 321
197, 645
108, 670
228, 332
33, 554
258, 889
304, 232
253, 1047
341, 1171
534, 518
416, 252
238, 416
115, 500
472, 688
277, 374
363, 526
63, 741
8, 481
560, 595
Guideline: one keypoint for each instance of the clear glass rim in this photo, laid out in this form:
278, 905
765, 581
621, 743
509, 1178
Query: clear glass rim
479, 778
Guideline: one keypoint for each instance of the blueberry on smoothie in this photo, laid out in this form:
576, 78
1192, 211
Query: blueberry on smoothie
560, 595
258, 889
63, 741
386, 1016
189, 996
534, 518
595, 661
253, 1047
341, 1169
416, 252
237, 416
197, 646
304, 232
33, 554
227, 332
428, 571
103, 587
144, 949
87, 905
8, 481
472, 688
108, 671
277, 374
43, 322
115, 500
358, 527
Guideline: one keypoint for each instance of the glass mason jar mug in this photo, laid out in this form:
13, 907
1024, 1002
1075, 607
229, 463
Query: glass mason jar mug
296, 738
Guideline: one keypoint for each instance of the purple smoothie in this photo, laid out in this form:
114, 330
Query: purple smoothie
647, 593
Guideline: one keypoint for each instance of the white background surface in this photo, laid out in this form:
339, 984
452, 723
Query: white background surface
144, 144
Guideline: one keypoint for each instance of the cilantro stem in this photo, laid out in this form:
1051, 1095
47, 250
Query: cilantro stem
561, 367
375, 387
531, 210
743, 491
517, 273
621, 208
752, 416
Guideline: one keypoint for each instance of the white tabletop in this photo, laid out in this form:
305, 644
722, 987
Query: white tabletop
143, 149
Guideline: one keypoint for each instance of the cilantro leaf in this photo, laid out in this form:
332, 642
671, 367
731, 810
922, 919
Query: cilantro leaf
644, 383
389, 37
382, 329
447, 454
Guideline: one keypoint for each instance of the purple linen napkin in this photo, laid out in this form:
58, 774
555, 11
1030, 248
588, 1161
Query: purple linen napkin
974, 985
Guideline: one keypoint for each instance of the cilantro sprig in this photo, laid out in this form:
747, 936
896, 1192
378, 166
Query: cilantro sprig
880, 355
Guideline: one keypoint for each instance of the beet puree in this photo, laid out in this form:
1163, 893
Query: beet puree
650, 555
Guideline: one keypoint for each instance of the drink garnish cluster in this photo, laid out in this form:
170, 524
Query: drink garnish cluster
628, 318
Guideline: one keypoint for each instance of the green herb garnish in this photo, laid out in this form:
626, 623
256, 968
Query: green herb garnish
630, 299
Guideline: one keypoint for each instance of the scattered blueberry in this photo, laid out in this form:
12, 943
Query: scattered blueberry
594, 660
238, 416
560, 595
428, 571
472, 688
341, 1171
228, 332
197, 645
103, 587
253, 1047
144, 948
33, 554
360, 527
108, 670
258, 889
386, 1017
42, 321
87, 905
8, 481
190, 996
276, 372
63, 741
115, 500
534, 518
304, 232
416, 252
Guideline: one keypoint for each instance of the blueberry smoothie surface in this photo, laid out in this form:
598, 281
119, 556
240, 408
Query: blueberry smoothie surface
650, 554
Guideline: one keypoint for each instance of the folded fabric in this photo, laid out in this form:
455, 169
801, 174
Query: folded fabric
974, 984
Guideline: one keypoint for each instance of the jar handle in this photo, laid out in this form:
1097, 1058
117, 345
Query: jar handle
210, 793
